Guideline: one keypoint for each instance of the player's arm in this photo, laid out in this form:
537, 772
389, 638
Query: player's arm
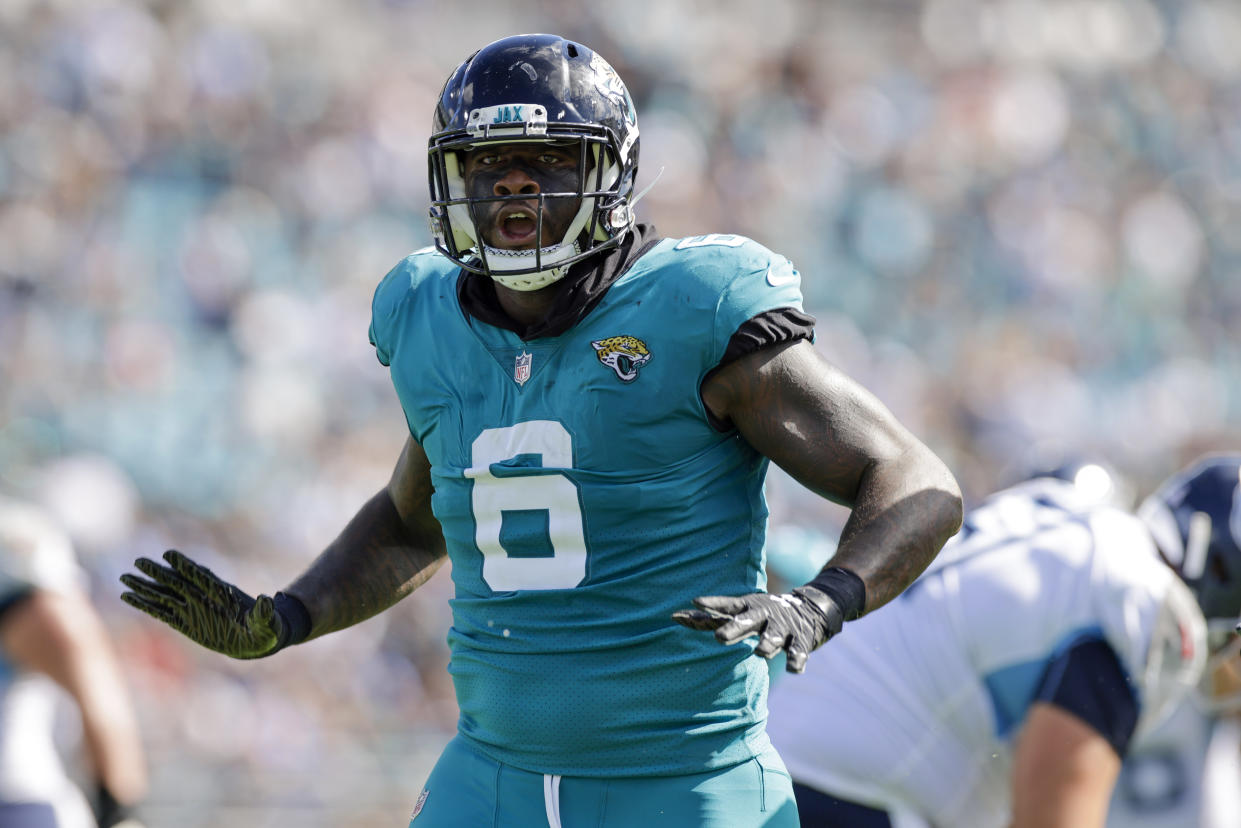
390, 547
837, 439
1063, 771
62, 637
1069, 751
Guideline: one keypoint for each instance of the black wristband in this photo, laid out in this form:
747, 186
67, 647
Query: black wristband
294, 620
108, 811
843, 587
15, 599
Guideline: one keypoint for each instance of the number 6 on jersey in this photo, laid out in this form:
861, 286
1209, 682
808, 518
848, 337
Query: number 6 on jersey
537, 491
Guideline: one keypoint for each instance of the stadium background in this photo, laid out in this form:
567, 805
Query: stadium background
1018, 222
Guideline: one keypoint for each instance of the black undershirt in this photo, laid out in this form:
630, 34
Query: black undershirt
581, 289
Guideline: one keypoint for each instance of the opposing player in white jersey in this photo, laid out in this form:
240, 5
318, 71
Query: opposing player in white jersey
50, 635
1004, 687
1186, 772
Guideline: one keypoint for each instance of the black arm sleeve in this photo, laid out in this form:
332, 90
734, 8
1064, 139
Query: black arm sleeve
767, 328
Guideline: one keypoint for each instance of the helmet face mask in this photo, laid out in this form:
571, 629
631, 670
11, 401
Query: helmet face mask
536, 89
1219, 690
536, 183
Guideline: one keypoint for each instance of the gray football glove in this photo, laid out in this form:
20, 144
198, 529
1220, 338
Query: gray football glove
190, 598
796, 622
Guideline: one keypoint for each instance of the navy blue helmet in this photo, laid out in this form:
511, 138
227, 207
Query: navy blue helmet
1195, 518
536, 88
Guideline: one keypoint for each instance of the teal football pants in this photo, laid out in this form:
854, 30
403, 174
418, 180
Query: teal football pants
468, 790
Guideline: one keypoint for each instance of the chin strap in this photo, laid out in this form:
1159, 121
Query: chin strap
529, 281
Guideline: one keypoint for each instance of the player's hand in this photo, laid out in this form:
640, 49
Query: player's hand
796, 622
189, 598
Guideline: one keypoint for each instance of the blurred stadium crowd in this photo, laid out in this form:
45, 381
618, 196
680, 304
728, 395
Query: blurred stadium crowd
1018, 222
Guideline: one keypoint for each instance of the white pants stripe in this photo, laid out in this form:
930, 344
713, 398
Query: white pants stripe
551, 799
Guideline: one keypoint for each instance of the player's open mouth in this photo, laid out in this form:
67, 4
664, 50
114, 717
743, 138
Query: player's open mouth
517, 226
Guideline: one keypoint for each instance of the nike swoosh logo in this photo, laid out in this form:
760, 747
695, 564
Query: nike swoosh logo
781, 279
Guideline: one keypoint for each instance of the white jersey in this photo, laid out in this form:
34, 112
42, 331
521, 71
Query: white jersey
34, 554
915, 707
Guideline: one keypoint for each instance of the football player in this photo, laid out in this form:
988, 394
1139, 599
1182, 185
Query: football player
1186, 772
591, 411
51, 635
1004, 687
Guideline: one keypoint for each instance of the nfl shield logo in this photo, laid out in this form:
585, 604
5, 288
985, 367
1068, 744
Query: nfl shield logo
521, 370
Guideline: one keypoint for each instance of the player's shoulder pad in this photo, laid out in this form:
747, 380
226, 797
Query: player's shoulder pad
400, 288
718, 259
1126, 549
735, 275
732, 277
402, 281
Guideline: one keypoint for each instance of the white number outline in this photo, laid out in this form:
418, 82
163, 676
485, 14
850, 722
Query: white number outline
711, 240
556, 493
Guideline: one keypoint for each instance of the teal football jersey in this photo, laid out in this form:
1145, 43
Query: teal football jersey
584, 497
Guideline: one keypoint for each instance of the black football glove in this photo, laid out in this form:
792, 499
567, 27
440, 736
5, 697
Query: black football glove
797, 622
189, 598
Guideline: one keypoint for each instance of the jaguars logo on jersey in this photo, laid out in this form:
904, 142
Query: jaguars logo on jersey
623, 354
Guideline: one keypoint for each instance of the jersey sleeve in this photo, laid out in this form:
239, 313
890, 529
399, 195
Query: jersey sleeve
1088, 680
760, 281
734, 279
395, 289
